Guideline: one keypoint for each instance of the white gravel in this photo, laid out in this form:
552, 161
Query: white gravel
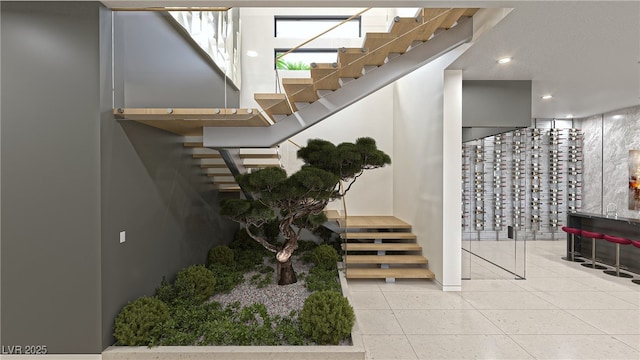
279, 299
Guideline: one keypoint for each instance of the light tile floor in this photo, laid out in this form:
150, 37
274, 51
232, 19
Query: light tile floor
561, 311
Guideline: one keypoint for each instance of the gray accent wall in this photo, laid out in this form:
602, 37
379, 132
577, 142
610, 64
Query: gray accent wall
492, 107
156, 67
50, 149
607, 140
152, 188
73, 177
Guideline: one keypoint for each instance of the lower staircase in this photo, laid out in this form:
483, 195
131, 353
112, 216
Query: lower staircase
380, 247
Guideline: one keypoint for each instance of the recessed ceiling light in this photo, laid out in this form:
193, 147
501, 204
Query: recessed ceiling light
617, 117
504, 60
569, 116
252, 53
546, 97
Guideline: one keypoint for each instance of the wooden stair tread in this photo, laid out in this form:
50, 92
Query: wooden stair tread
378, 44
406, 30
378, 235
470, 12
385, 259
452, 17
191, 121
299, 90
381, 247
432, 19
326, 76
402, 25
407, 273
351, 62
374, 222
273, 104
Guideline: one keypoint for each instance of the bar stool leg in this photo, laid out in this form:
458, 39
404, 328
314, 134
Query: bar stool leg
593, 264
573, 251
617, 272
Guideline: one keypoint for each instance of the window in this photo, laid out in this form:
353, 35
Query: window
306, 27
301, 59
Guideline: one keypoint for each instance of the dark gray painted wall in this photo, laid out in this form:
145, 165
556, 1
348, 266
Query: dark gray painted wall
50, 149
500, 104
159, 68
73, 178
151, 187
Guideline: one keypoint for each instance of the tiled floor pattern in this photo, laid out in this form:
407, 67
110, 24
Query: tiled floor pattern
562, 311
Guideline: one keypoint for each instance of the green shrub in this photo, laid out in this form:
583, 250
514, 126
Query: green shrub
248, 253
320, 279
227, 278
141, 322
325, 256
221, 255
196, 283
327, 317
166, 292
189, 321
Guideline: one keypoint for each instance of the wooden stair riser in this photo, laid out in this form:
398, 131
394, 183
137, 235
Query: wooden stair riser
325, 76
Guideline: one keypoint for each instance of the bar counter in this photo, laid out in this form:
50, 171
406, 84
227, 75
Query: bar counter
605, 251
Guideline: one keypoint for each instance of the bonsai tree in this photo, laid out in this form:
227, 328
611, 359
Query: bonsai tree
298, 201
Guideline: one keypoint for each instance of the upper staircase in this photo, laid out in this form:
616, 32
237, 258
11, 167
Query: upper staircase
357, 72
384, 57
378, 247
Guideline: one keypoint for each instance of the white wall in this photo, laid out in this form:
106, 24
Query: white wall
420, 162
372, 116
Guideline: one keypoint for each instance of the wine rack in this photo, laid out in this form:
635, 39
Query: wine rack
527, 179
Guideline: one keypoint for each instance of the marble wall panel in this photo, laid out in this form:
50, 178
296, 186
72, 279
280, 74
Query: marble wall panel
592, 164
607, 141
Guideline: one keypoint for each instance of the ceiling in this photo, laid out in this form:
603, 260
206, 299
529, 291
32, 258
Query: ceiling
584, 53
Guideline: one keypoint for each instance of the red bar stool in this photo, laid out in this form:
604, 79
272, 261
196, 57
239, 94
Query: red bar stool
573, 232
618, 241
593, 236
635, 243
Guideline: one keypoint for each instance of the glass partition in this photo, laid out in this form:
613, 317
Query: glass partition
517, 187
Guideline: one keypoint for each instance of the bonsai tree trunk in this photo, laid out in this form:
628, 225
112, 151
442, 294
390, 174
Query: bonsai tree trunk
287, 275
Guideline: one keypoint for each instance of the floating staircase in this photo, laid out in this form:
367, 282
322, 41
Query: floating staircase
381, 247
384, 57
410, 43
